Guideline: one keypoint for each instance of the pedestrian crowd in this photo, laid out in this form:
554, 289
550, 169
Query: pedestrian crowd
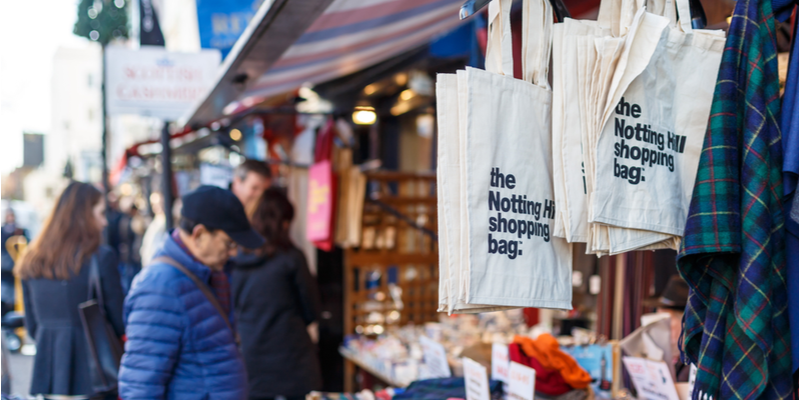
217, 308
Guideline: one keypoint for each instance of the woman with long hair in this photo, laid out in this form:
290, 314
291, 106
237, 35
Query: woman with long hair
55, 279
275, 299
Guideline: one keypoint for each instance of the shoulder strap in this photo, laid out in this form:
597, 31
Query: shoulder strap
95, 289
200, 285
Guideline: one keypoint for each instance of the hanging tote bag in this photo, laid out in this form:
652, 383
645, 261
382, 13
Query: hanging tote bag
513, 259
105, 348
322, 192
654, 123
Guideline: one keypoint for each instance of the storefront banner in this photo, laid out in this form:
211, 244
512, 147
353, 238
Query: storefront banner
222, 22
153, 82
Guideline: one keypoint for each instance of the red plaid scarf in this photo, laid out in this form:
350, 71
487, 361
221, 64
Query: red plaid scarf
219, 280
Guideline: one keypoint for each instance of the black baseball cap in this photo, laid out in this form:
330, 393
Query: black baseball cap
217, 208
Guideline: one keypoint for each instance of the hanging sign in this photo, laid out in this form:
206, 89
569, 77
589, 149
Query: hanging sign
500, 362
476, 381
521, 382
153, 82
222, 22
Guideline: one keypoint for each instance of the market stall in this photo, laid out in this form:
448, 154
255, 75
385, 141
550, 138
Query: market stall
584, 230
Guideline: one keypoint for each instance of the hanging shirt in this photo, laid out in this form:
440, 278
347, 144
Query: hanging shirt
736, 325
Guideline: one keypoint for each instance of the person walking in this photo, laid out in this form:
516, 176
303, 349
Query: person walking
250, 179
55, 280
10, 229
181, 341
280, 357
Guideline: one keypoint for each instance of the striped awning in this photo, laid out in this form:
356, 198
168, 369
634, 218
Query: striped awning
355, 34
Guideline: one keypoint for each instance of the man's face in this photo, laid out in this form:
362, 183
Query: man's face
10, 218
213, 248
249, 189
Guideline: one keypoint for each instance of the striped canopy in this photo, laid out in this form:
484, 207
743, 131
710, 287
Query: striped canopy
355, 34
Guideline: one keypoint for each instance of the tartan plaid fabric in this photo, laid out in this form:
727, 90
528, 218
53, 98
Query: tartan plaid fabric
736, 326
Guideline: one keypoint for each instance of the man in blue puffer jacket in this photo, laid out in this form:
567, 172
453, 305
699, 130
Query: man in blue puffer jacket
180, 340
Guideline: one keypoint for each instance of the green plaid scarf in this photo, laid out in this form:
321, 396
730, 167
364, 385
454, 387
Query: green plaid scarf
736, 326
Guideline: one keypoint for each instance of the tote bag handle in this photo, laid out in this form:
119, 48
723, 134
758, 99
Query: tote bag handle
537, 24
499, 57
537, 39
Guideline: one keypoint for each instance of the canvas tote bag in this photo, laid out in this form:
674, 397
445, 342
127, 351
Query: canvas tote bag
451, 200
513, 259
584, 57
654, 123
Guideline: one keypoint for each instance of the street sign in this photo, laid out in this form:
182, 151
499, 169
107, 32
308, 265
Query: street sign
153, 82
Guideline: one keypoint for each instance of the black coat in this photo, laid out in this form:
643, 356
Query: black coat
61, 365
275, 298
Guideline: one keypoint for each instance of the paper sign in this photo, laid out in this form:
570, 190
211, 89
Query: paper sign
521, 382
500, 362
476, 381
652, 379
435, 357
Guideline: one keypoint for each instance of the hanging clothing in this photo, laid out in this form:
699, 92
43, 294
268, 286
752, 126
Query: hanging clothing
736, 325
789, 130
545, 349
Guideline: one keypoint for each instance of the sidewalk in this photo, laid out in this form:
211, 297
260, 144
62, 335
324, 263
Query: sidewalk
20, 367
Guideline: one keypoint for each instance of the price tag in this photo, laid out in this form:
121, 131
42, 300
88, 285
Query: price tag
522, 382
500, 362
476, 381
435, 357
652, 379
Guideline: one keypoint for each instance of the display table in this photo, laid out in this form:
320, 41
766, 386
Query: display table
375, 367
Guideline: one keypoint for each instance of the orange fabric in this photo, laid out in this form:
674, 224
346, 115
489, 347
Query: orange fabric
545, 349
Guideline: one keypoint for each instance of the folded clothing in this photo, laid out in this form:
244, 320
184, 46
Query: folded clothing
545, 349
574, 394
548, 381
443, 388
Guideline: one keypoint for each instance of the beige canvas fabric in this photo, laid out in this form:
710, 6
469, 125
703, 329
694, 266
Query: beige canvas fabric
503, 192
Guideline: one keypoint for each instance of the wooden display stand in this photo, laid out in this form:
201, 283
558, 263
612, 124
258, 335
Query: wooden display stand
392, 279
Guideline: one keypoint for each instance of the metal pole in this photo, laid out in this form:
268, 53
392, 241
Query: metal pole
104, 145
166, 175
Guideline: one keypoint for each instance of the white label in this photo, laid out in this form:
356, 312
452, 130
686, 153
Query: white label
652, 379
476, 382
594, 284
522, 381
692, 377
435, 358
215, 175
500, 362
